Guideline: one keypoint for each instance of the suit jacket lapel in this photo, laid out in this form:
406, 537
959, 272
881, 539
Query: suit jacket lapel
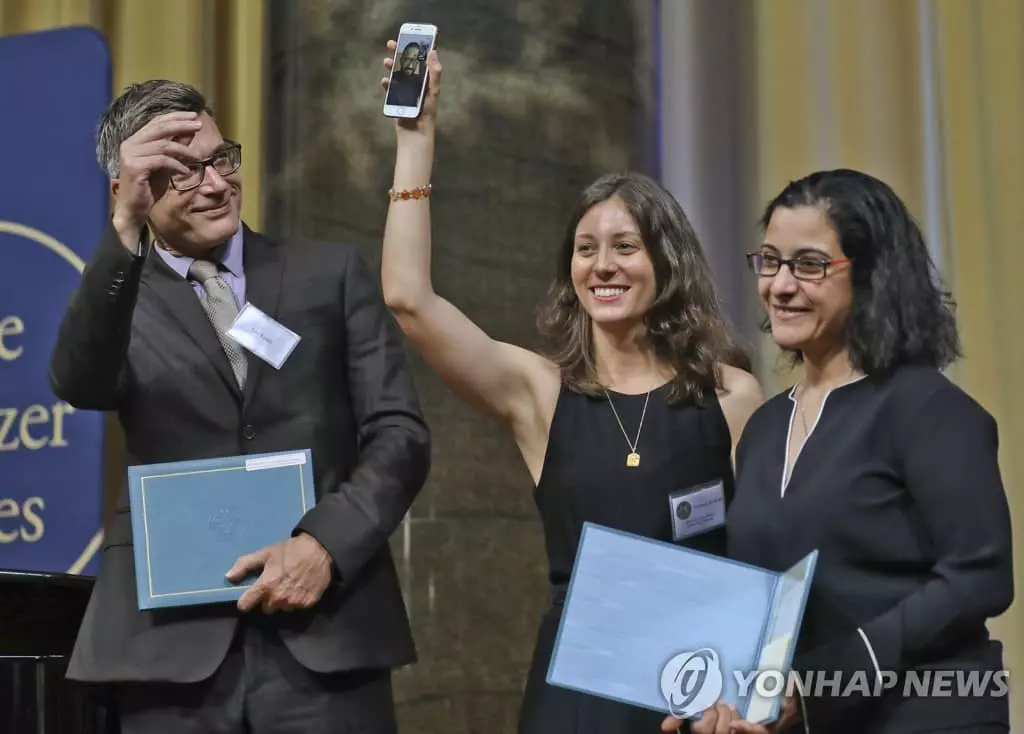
184, 306
263, 272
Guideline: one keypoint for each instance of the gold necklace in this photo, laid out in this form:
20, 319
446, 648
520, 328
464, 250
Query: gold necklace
633, 458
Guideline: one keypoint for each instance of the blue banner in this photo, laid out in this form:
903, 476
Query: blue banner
54, 86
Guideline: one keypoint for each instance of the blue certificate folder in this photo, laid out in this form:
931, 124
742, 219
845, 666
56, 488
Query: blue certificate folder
191, 520
674, 630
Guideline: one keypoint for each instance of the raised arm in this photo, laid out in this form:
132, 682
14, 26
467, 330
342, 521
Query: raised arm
88, 367
501, 380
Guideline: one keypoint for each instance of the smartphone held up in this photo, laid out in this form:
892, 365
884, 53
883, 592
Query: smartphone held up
408, 80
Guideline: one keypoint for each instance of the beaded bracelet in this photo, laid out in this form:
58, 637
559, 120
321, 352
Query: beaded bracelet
420, 192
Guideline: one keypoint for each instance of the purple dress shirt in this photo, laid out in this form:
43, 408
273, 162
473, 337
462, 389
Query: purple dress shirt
232, 270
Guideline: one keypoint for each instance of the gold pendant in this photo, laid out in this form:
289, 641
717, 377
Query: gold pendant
633, 459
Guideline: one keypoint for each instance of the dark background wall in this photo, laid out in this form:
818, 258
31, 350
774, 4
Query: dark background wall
539, 98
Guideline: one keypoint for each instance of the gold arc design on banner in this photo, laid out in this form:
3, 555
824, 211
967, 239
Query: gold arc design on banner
69, 256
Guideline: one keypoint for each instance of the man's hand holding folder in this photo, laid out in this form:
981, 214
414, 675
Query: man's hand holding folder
295, 574
197, 519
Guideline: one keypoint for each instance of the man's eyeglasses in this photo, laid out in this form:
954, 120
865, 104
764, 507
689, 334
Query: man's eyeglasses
225, 161
802, 267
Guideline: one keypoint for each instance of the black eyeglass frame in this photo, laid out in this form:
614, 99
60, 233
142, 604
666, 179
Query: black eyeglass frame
203, 164
791, 264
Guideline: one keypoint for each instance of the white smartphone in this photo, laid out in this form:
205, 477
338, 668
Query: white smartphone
408, 79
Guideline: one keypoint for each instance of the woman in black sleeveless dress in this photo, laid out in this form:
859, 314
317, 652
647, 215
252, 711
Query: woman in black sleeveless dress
642, 392
584, 478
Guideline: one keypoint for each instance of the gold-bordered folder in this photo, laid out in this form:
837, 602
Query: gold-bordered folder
192, 519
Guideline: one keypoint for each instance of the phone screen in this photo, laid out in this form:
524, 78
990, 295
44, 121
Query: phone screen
409, 74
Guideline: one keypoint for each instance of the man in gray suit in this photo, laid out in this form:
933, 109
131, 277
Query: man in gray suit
310, 647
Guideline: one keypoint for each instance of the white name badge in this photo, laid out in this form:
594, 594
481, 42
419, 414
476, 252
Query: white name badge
697, 510
263, 336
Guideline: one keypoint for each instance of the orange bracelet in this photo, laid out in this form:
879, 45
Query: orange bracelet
420, 192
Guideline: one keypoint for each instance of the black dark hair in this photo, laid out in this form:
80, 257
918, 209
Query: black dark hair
901, 312
685, 323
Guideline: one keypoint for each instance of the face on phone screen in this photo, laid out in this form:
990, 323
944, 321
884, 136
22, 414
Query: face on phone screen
408, 75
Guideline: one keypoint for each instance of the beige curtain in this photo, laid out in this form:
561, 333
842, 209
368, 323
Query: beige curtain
928, 95
214, 44
981, 75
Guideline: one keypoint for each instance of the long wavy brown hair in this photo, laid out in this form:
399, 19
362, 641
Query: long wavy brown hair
685, 323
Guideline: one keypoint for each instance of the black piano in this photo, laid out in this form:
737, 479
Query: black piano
39, 618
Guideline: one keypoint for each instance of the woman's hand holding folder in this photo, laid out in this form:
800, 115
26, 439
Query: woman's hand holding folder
725, 719
716, 720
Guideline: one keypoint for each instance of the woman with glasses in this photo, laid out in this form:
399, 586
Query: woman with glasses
879, 462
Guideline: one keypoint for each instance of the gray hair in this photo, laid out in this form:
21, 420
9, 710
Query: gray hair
137, 105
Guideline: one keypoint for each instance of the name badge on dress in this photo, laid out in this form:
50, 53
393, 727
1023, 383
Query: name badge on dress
697, 509
264, 337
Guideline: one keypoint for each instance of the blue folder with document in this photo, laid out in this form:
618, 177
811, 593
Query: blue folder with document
675, 630
191, 520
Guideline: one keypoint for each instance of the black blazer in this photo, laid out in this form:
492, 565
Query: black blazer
135, 340
898, 488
